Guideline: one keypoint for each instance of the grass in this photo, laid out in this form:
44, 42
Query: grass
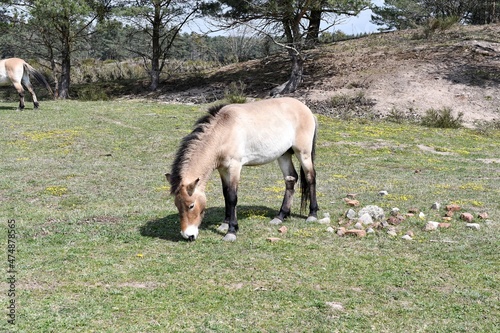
99, 249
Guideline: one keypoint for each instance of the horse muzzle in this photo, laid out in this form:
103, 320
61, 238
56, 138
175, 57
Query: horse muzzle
191, 233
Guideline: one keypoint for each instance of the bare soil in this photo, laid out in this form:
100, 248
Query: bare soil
400, 73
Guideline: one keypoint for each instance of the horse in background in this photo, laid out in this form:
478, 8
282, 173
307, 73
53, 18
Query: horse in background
17, 71
236, 135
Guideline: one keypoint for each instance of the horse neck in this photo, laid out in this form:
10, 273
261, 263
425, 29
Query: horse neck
202, 162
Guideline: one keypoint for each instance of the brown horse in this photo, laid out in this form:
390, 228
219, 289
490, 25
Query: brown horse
236, 135
17, 71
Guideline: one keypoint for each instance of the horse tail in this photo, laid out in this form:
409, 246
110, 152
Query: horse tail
305, 188
38, 76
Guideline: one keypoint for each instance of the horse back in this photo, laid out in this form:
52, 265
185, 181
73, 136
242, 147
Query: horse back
260, 132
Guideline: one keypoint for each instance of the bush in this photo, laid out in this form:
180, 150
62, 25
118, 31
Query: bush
235, 92
442, 119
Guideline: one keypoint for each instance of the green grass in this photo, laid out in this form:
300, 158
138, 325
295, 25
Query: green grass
99, 249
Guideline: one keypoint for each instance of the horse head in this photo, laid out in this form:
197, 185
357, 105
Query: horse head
190, 202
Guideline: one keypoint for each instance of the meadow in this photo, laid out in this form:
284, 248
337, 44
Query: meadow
98, 248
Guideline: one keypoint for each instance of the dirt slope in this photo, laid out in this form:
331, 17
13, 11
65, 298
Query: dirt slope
398, 72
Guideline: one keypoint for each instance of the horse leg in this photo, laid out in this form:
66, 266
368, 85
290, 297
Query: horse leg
20, 92
230, 180
308, 184
291, 177
27, 84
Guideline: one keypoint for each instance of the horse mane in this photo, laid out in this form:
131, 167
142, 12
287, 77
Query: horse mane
188, 142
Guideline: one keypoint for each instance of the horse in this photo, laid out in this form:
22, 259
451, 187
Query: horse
17, 72
231, 136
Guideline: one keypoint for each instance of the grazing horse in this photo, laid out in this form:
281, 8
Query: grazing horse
236, 135
17, 71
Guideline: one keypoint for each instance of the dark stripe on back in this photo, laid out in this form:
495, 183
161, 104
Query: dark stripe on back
182, 155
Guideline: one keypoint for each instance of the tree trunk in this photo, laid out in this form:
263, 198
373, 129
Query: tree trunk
296, 76
312, 37
65, 63
155, 57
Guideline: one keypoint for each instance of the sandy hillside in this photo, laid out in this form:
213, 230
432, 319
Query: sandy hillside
398, 72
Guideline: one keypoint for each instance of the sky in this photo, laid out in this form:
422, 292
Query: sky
359, 24
351, 26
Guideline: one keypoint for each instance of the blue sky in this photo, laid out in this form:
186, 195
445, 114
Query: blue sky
359, 24
352, 26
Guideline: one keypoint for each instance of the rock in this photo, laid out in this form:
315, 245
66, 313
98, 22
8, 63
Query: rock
358, 226
325, 219
283, 230
431, 225
467, 217
223, 227
421, 215
474, 226
453, 208
273, 239
365, 219
383, 193
370, 231
395, 220
351, 195
341, 231
436, 206
395, 211
355, 232
410, 214
410, 233
483, 216
407, 237
392, 232
330, 229
350, 214
351, 202
375, 212
449, 214
444, 225
311, 219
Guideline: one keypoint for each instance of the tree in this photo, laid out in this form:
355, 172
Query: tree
403, 14
158, 23
290, 17
59, 26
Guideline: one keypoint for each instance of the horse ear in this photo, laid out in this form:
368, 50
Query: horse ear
167, 175
191, 187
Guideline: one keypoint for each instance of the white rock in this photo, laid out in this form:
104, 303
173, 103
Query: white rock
436, 206
365, 219
395, 211
330, 229
421, 215
375, 212
392, 232
370, 231
351, 214
475, 226
431, 225
407, 237
358, 226
325, 219
382, 193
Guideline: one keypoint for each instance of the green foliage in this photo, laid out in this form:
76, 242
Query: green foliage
443, 118
235, 92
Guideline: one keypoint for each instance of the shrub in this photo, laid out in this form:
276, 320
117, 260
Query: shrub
442, 119
235, 92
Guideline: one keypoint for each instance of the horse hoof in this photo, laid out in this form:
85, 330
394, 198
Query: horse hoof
312, 219
229, 238
223, 227
276, 221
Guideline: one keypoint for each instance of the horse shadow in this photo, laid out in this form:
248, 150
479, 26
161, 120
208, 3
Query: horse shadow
167, 228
